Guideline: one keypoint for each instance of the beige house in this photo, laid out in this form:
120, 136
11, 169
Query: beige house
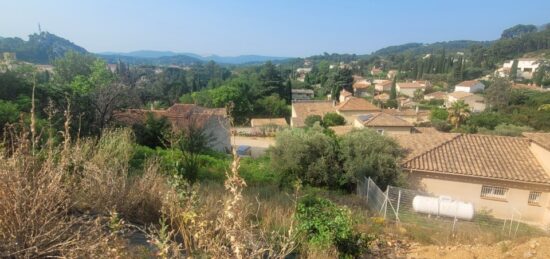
383, 123
360, 88
439, 95
498, 175
344, 95
355, 106
471, 86
408, 89
411, 115
302, 109
383, 85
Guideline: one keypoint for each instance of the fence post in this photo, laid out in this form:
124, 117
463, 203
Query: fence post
398, 203
386, 201
368, 185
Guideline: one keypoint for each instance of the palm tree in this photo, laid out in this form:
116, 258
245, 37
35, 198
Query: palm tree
458, 113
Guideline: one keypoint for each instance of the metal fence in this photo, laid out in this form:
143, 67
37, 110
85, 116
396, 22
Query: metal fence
438, 213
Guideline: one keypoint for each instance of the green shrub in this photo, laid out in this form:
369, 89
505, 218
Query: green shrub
442, 125
312, 119
326, 225
258, 171
439, 114
308, 155
365, 153
333, 119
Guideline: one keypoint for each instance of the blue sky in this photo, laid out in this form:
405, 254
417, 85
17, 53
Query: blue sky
276, 27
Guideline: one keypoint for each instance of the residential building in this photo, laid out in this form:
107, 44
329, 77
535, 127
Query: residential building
181, 116
532, 87
476, 102
383, 97
302, 109
361, 87
498, 175
383, 123
302, 94
355, 106
423, 83
376, 71
439, 95
526, 67
408, 89
411, 115
383, 85
344, 95
391, 74
471, 86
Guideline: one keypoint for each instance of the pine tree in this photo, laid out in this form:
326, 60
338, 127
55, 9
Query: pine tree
393, 92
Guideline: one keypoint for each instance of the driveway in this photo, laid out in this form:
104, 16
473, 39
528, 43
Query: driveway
258, 144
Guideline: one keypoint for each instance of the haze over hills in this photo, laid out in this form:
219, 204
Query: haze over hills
153, 54
45, 47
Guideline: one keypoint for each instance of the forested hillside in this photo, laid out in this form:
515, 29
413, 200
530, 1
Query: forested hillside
41, 48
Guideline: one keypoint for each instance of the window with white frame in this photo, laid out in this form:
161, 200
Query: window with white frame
494, 192
534, 198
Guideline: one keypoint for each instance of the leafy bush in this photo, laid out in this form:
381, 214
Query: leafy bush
333, 119
439, 114
152, 132
312, 119
507, 130
488, 120
442, 125
325, 225
310, 156
366, 153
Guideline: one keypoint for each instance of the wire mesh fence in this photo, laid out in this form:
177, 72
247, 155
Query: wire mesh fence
440, 214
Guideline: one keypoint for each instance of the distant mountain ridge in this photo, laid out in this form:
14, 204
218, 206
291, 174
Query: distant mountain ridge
165, 55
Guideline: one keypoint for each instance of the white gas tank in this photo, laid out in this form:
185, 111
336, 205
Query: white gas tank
443, 206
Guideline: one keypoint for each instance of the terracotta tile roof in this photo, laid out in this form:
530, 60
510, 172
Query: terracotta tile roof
361, 85
406, 112
356, 104
345, 93
416, 144
482, 156
381, 119
382, 97
306, 108
468, 83
409, 85
342, 130
437, 95
260, 122
542, 139
459, 95
180, 115
385, 83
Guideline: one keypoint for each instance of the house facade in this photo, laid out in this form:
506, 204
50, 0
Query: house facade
526, 67
408, 89
471, 86
498, 175
383, 85
383, 123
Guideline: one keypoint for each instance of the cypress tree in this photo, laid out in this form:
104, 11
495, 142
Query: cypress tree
393, 92
514, 70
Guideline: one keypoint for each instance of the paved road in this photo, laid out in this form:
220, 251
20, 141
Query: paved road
258, 144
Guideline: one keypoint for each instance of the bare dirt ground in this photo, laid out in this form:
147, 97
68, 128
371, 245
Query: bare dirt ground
533, 248
258, 144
